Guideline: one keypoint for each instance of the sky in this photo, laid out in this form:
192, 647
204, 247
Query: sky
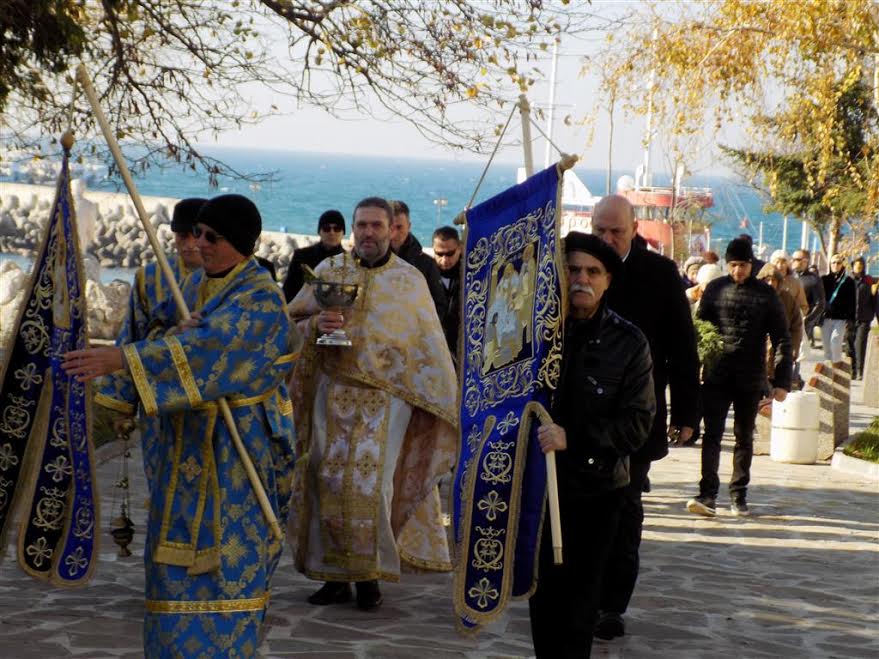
314, 130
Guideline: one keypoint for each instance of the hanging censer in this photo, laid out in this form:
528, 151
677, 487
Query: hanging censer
121, 527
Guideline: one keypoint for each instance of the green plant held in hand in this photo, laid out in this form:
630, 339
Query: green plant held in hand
709, 343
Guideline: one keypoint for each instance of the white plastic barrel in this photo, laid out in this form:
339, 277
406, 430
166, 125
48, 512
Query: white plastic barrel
794, 436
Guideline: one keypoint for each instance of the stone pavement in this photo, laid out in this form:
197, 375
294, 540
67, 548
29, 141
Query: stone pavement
800, 578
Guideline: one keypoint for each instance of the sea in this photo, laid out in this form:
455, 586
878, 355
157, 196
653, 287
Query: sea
303, 185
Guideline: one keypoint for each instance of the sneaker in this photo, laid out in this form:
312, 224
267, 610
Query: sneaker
609, 626
702, 506
369, 597
739, 508
332, 592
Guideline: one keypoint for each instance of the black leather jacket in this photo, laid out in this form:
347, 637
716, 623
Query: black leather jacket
605, 402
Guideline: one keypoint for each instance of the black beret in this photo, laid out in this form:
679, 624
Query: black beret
234, 217
576, 241
739, 249
185, 212
331, 217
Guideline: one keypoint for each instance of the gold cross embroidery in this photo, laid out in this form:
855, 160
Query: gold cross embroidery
190, 469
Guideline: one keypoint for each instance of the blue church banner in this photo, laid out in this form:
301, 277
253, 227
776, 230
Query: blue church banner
511, 348
45, 415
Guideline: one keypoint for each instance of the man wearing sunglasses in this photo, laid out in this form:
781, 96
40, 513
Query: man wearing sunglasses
149, 292
330, 230
377, 423
210, 553
447, 254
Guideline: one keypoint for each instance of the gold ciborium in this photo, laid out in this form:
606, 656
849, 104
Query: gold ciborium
338, 296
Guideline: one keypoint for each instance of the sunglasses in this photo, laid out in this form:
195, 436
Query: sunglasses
440, 255
209, 234
335, 228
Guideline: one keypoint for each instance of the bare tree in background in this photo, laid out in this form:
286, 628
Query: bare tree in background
170, 72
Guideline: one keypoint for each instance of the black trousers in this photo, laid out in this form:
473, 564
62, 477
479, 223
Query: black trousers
857, 346
564, 606
621, 572
716, 400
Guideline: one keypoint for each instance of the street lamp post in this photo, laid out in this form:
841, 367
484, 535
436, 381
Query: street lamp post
440, 203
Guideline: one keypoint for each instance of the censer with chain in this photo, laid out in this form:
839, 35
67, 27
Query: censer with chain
121, 526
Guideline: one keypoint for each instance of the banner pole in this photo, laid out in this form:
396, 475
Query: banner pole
83, 77
525, 111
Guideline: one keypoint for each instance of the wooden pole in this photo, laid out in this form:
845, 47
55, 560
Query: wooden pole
552, 493
84, 79
525, 111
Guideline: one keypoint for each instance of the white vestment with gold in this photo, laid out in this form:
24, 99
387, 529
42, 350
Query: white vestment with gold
377, 426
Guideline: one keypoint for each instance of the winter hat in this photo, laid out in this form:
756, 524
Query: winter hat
234, 217
333, 217
576, 241
693, 260
779, 254
185, 212
739, 249
708, 273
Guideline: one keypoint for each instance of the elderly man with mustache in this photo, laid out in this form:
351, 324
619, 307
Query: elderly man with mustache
603, 411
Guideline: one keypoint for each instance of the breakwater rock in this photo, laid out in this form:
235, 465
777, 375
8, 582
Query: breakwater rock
109, 227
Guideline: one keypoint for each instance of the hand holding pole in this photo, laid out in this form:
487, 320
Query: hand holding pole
83, 77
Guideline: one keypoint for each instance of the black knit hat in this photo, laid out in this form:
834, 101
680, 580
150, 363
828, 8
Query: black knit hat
331, 217
184, 214
591, 244
739, 249
234, 217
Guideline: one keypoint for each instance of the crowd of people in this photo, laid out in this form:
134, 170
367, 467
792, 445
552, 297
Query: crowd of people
374, 427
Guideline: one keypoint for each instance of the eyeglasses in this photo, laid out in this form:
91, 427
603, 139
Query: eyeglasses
209, 234
441, 255
335, 228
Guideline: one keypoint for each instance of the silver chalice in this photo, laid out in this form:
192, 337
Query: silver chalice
337, 296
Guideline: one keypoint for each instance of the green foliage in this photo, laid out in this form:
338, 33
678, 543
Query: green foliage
709, 343
865, 445
840, 193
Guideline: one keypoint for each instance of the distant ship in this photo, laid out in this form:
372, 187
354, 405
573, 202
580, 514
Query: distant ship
656, 208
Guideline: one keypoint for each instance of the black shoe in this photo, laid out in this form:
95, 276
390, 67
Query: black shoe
739, 508
332, 592
702, 506
609, 626
369, 597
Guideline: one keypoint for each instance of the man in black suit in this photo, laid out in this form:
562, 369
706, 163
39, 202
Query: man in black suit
407, 247
331, 230
650, 295
447, 254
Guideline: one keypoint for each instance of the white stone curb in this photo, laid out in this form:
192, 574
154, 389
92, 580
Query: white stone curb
851, 465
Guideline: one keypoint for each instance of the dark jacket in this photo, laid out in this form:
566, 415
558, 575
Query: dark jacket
650, 295
268, 265
310, 256
605, 402
840, 303
412, 252
814, 290
744, 314
864, 303
451, 316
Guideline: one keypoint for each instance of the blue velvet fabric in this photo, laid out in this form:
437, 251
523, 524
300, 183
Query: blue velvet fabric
512, 329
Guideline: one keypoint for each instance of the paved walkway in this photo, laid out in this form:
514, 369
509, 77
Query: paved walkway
798, 578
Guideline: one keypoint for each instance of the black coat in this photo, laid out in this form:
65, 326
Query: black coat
412, 252
451, 316
310, 256
650, 295
864, 302
605, 401
840, 304
814, 290
744, 314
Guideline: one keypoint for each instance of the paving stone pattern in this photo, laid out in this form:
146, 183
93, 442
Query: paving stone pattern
800, 578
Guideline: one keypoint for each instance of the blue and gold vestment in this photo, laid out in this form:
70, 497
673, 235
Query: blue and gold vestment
149, 293
210, 553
